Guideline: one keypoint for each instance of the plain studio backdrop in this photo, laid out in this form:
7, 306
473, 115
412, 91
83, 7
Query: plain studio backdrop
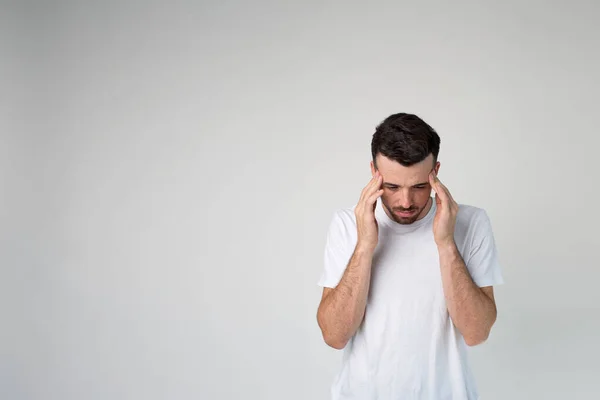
168, 173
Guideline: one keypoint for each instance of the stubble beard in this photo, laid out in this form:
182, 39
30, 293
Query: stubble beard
406, 220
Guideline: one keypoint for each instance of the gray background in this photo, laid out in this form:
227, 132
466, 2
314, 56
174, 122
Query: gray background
168, 172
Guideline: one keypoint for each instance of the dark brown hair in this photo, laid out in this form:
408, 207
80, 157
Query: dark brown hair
405, 138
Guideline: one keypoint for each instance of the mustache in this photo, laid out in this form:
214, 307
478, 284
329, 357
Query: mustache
404, 209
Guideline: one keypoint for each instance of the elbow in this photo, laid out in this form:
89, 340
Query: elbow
336, 343
476, 338
479, 335
474, 341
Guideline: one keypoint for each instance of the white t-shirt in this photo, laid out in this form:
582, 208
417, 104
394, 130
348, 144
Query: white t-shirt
407, 347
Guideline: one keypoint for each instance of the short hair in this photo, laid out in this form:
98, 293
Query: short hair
405, 138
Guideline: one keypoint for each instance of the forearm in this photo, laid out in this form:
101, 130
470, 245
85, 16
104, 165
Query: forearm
471, 310
342, 311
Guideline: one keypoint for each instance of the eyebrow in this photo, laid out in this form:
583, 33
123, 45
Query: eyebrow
416, 184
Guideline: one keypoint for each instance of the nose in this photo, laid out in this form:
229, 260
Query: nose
405, 199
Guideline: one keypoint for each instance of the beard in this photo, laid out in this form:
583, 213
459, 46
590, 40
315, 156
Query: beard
405, 220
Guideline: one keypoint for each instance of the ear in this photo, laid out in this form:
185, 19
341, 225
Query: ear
373, 170
437, 167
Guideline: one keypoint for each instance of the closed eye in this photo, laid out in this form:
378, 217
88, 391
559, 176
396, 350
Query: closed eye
419, 187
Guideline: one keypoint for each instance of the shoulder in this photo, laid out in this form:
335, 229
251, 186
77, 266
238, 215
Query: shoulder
472, 219
344, 216
469, 212
342, 228
343, 222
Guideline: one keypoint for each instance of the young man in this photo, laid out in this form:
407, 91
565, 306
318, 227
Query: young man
408, 280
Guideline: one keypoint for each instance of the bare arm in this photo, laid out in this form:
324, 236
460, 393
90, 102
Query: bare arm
342, 308
472, 309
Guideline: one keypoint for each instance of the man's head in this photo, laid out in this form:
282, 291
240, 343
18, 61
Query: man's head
405, 150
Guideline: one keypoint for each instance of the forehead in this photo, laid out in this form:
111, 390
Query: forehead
397, 174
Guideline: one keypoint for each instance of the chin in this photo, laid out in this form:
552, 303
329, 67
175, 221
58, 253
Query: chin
403, 220
406, 221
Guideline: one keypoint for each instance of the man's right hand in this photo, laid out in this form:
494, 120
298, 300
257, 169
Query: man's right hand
366, 224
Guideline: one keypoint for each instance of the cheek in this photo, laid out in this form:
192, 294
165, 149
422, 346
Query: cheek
387, 195
423, 197
385, 198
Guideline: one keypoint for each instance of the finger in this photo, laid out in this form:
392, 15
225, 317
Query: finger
448, 200
373, 198
372, 186
365, 189
447, 191
439, 188
432, 180
371, 182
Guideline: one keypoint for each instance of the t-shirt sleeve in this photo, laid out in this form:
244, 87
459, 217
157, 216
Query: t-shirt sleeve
482, 263
339, 246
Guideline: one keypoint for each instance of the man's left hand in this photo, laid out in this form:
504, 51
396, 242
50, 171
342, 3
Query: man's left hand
445, 216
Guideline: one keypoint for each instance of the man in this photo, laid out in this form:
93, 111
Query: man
408, 280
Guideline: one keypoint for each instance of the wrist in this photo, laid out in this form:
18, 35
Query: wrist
365, 248
448, 247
